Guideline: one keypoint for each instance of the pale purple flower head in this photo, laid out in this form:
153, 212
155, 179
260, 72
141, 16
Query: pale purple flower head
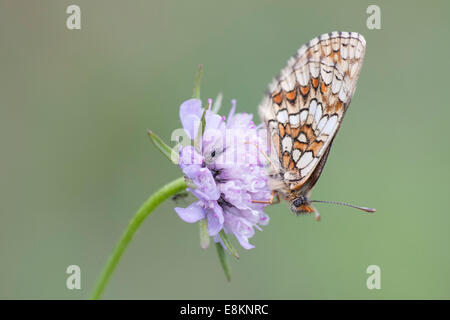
225, 172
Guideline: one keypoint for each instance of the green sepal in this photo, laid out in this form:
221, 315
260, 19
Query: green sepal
198, 77
224, 261
163, 147
227, 243
204, 234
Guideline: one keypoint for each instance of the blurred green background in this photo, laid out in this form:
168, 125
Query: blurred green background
76, 162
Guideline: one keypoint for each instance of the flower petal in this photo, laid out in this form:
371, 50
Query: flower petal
188, 155
215, 219
241, 121
243, 241
206, 184
213, 120
214, 226
192, 171
241, 228
191, 214
242, 233
190, 116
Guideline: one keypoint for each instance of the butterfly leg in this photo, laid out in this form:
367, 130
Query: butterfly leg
273, 200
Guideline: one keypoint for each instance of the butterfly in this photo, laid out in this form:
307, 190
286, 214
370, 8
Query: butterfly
303, 111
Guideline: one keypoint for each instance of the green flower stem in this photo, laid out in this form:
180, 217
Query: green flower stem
167, 191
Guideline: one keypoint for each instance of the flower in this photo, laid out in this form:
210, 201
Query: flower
225, 171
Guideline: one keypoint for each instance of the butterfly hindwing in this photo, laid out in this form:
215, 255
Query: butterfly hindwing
306, 103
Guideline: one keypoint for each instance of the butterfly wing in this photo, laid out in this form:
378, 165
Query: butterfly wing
306, 103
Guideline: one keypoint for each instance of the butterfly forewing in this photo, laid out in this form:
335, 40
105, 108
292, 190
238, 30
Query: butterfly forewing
306, 103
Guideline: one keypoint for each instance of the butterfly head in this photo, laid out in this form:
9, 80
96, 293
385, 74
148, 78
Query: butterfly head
301, 205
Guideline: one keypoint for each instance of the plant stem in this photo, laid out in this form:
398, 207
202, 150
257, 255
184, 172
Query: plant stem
224, 261
152, 202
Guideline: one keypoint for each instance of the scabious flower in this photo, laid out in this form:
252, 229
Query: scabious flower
225, 171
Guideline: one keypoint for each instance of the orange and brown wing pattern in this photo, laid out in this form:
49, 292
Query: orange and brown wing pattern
305, 105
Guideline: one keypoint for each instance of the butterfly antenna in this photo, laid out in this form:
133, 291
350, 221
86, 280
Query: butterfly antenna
345, 204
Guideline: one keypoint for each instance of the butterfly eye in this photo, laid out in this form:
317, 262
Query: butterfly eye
298, 202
